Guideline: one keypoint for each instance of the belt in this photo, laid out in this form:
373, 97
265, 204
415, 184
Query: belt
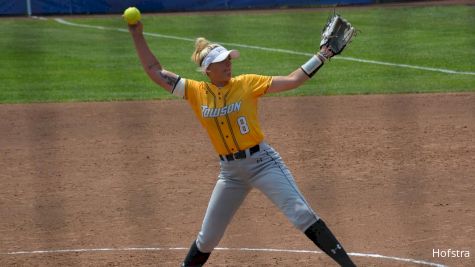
240, 154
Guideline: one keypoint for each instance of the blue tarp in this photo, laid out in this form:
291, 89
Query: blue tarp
9, 7
44, 7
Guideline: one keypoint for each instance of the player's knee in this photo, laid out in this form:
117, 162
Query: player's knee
207, 243
303, 217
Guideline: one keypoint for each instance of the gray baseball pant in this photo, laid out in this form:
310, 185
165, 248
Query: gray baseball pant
265, 171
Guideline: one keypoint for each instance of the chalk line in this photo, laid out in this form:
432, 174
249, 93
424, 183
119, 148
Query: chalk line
286, 51
269, 250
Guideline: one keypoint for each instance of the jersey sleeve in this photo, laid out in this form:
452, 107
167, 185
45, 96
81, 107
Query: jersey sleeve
179, 88
258, 84
186, 89
192, 90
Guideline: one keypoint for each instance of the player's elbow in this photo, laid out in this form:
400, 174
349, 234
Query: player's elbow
157, 80
285, 83
295, 80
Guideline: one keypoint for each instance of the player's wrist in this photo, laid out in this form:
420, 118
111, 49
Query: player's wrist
136, 34
326, 53
136, 29
313, 64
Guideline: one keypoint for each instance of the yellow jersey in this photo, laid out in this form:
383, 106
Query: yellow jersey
229, 114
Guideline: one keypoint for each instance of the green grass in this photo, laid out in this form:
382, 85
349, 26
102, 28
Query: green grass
44, 61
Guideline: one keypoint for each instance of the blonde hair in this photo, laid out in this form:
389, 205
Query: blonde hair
202, 48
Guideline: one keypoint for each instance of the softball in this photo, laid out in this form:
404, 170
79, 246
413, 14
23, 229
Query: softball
132, 15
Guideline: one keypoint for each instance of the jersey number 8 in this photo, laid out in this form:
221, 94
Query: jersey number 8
243, 127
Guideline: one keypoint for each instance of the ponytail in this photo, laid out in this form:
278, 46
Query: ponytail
202, 48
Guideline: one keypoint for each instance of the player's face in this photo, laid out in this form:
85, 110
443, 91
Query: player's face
220, 72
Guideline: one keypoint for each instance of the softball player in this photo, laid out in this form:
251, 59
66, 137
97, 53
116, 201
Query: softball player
226, 106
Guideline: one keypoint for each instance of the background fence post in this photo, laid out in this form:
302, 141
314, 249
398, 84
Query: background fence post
28, 7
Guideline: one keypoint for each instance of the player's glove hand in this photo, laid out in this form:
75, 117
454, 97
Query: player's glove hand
336, 34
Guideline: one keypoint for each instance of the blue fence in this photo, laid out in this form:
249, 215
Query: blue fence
45, 7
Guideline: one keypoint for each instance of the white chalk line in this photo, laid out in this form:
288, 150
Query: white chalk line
270, 250
447, 71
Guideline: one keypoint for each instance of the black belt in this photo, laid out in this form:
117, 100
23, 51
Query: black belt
240, 154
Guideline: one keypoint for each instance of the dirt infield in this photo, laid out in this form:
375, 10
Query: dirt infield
392, 175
